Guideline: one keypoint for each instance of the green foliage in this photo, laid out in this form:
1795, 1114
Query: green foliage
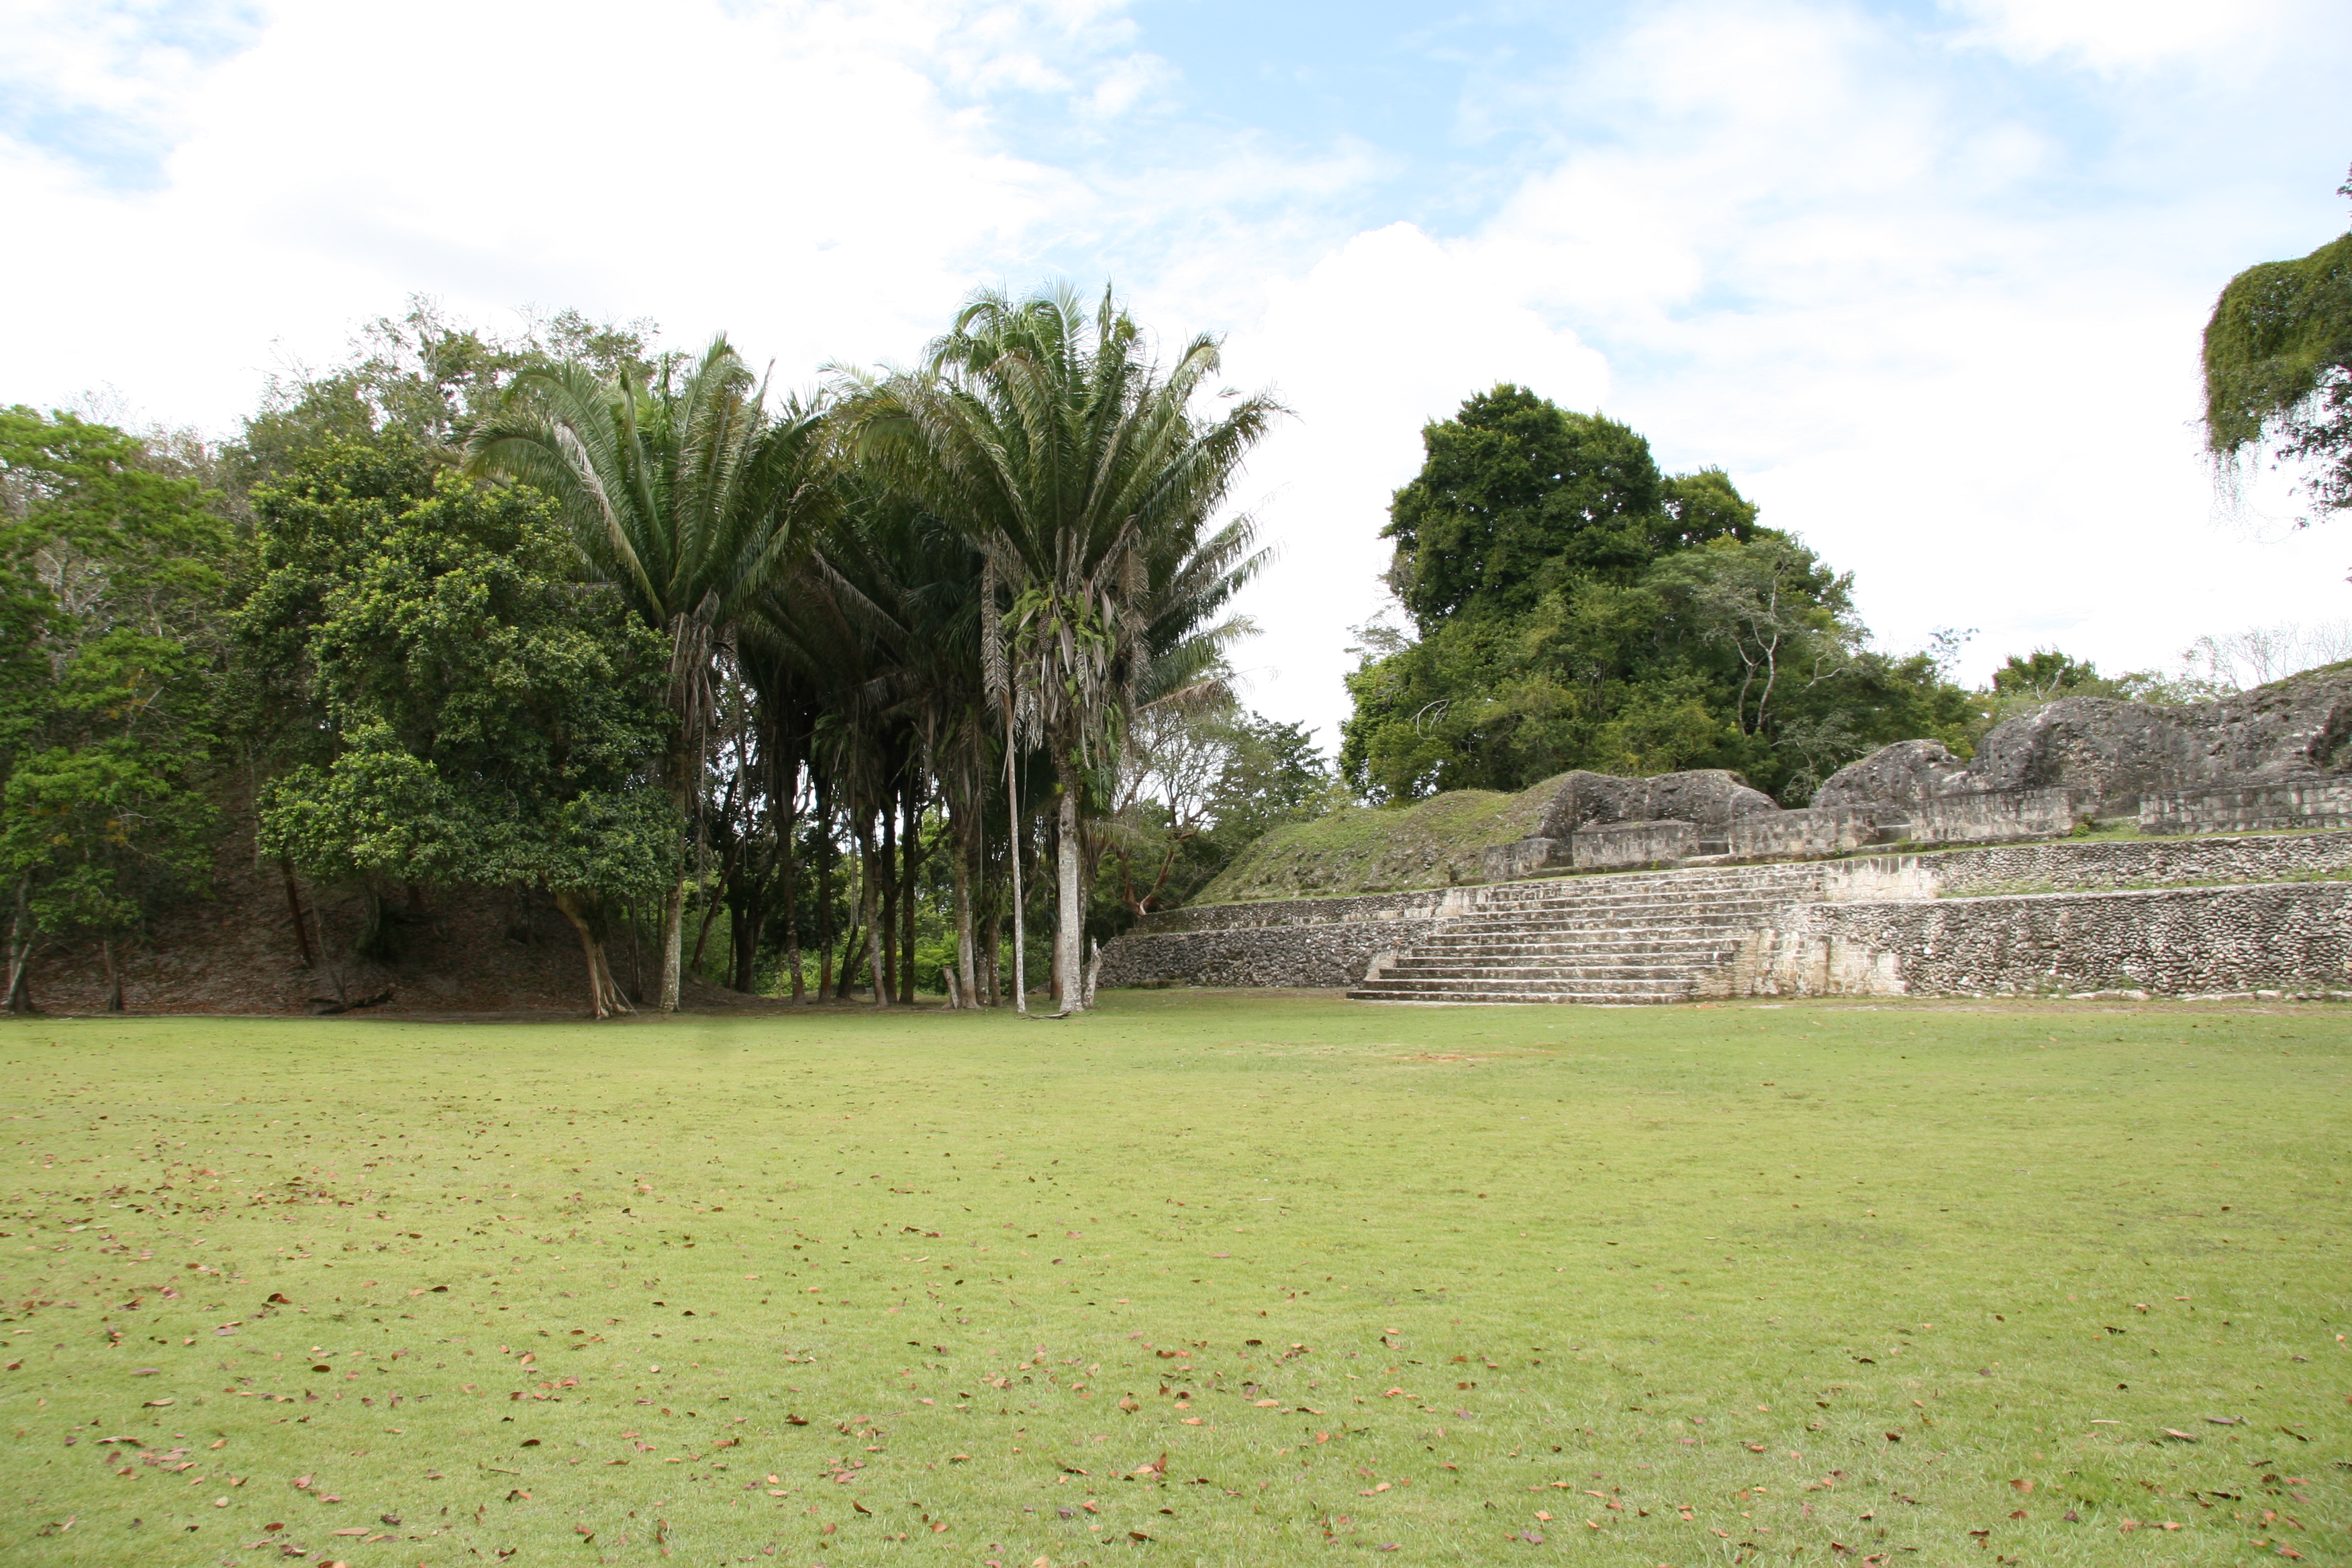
2278, 367
1199, 787
428, 378
1519, 498
479, 715
1577, 609
110, 582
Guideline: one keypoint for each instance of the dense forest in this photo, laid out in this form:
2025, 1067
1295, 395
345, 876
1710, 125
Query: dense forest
847, 693
804, 696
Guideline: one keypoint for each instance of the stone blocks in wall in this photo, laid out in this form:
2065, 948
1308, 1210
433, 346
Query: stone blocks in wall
1815, 831
1984, 815
1624, 845
1327, 944
2289, 938
1524, 857
2286, 803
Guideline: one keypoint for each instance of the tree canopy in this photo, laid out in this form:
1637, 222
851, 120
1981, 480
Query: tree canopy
2278, 368
840, 692
1577, 608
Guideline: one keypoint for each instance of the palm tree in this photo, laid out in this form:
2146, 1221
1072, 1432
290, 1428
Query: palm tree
1049, 436
691, 497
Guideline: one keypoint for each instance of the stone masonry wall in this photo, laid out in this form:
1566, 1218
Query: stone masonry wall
2296, 802
2289, 938
1319, 942
1992, 907
2064, 867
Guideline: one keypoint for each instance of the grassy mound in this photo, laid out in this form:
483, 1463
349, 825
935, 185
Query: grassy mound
1200, 1278
1432, 843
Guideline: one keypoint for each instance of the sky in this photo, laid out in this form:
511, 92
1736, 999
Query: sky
1926, 278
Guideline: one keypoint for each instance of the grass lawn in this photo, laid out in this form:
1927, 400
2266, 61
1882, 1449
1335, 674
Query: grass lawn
1203, 1278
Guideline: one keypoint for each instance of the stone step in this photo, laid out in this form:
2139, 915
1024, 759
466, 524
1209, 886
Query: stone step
1482, 974
1633, 939
1607, 895
1625, 900
1520, 990
1483, 999
1710, 908
1600, 932
1691, 948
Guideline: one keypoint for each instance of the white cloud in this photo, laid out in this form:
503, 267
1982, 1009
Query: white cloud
796, 174
2125, 35
1810, 257
1936, 309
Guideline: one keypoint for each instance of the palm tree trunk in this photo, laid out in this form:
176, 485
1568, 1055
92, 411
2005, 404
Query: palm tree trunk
1013, 859
885, 863
911, 876
825, 846
673, 943
964, 852
868, 901
1069, 924
793, 912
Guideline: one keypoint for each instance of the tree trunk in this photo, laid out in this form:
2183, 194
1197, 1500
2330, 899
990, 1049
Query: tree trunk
22, 942
826, 845
790, 850
745, 928
882, 870
1069, 925
1013, 859
849, 965
962, 855
992, 939
294, 908
868, 910
114, 979
909, 881
605, 998
673, 943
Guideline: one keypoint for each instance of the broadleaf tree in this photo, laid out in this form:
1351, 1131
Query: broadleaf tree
487, 717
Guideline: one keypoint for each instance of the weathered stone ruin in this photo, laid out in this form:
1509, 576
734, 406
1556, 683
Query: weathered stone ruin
2277, 757
1850, 896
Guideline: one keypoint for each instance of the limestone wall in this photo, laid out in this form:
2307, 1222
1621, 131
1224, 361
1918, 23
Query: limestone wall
2289, 803
2289, 938
2069, 867
1628, 845
1813, 833
1992, 919
1321, 943
1998, 813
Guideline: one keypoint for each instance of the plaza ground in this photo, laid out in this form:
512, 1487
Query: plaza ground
1203, 1278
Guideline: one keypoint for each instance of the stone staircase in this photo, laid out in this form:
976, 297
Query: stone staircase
1613, 941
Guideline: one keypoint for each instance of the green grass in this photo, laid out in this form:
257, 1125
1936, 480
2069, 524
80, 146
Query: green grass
1703, 1285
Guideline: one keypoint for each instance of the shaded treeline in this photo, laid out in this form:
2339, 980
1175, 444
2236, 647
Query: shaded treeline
784, 688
